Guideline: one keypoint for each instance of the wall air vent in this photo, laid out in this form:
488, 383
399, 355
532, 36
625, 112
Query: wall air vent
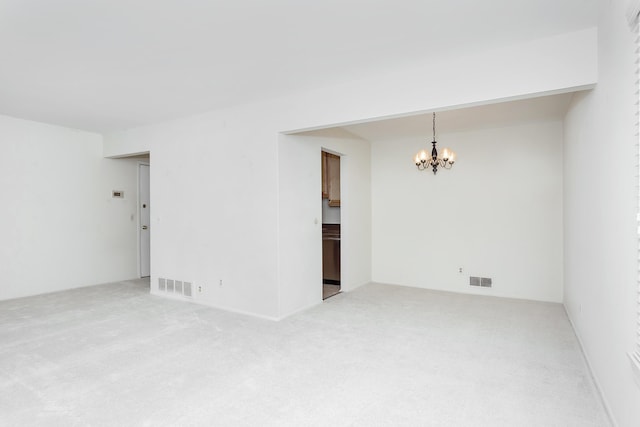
186, 289
484, 282
175, 286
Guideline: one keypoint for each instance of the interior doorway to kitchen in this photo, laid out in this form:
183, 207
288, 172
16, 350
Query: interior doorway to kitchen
330, 224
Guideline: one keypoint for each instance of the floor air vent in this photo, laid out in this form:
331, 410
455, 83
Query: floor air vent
175, 287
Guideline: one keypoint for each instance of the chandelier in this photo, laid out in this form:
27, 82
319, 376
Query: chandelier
444, 160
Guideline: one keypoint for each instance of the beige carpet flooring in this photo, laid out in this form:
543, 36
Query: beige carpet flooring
113, 355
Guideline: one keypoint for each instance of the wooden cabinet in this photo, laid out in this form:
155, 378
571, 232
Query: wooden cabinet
331, 178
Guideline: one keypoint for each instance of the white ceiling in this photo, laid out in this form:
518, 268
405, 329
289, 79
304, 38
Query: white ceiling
106, 65
501, 114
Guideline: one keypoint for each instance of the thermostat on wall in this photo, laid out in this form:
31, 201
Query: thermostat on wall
116, 194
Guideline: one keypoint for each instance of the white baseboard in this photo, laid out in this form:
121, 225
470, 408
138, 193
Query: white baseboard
594, 379
635, 365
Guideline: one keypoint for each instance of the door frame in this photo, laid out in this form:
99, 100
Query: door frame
139, 214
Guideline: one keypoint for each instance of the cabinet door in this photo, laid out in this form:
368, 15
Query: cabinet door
325, 179
333, 178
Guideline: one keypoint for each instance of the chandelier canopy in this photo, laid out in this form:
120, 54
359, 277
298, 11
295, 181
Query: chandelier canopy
445, 160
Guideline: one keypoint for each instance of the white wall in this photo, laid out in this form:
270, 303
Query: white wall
215, 181
600, 204
497, 213
60, 227
214, 207
300, 226
561, 63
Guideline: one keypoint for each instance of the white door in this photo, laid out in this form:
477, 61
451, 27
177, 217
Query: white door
144, 215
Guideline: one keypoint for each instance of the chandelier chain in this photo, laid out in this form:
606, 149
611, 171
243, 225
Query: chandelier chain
434, 126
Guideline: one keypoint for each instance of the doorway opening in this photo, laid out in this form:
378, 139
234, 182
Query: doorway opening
331, 271
138, 168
